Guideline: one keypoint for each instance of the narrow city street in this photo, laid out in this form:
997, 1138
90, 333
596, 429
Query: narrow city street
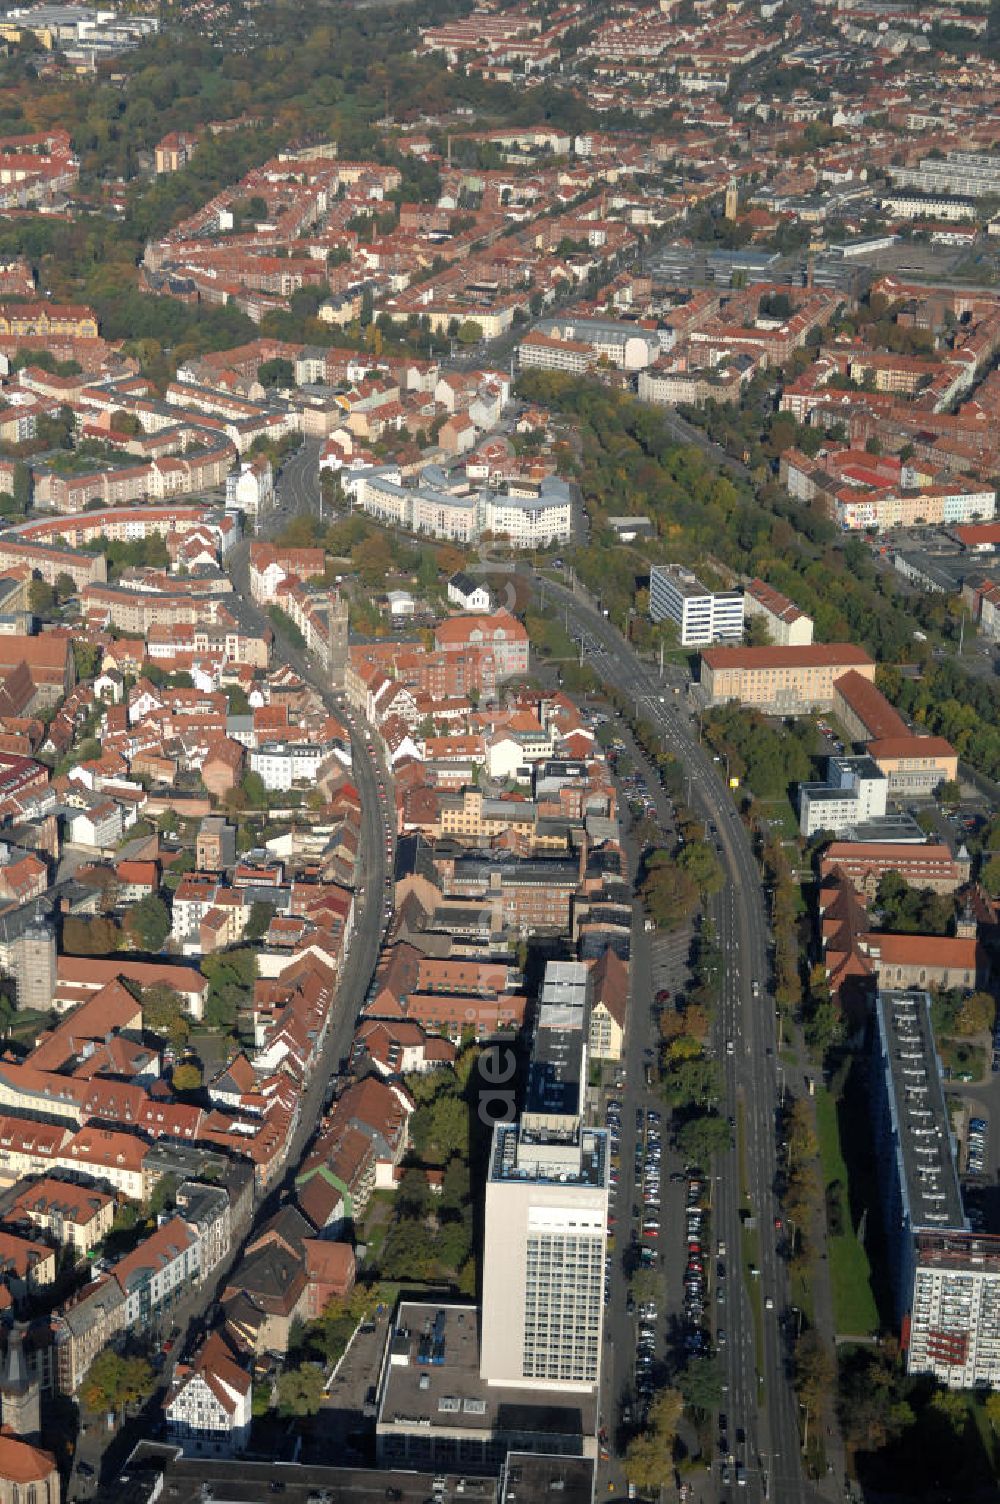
104, 1451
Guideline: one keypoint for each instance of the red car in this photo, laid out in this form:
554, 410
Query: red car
663, 996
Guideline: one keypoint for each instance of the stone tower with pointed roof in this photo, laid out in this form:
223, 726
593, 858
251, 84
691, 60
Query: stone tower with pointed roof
337, 638
20, 1407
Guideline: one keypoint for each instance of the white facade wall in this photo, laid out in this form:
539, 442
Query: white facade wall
701, 616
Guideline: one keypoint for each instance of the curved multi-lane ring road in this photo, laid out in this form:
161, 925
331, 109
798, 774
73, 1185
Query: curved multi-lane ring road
759, 1398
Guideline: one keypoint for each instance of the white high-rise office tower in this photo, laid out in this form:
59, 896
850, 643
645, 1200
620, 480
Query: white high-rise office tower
547, 1211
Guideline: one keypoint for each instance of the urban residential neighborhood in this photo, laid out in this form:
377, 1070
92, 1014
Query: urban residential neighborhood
499, 752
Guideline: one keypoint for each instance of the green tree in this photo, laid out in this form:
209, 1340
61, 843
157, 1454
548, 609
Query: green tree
700, 862
407, 1252
694, 1082
993, 1410
22, 486
872, 1407
649, 1455
163, 1194
449, 1128
669, 893
814, 1369
284, 624
254, 790
701, 1385
469, 333
453, 1244
703, 1136
990, 875
300, 1391
41, 598
951, 1409
148, 922
277, 372
86, 659
230, 977
163, 1013
456, 1191
113, 1381
824, 1026
949, 792
258, 923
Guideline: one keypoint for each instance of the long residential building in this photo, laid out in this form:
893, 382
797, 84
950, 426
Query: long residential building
945, 1278
525, 514
911, 1136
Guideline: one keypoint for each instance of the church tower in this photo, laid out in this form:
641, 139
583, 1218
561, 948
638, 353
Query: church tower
20, 1405
337, 628
732, 199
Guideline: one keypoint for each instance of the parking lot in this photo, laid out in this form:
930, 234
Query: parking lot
975, 1111
663, 1268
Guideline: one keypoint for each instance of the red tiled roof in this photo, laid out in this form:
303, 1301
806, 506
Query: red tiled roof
810, 655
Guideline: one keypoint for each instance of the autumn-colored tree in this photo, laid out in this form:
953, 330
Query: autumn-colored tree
90, 937
649, 1456
186, 1077
993, 1409
113, 1381
814, 1369
976, 1014
696, 1022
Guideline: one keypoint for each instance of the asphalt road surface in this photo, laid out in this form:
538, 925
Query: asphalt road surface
759, 1401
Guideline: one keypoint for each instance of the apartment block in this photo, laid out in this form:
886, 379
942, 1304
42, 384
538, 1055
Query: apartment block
945, 1278
959, 173
787, 626
912, 1145
953, 1330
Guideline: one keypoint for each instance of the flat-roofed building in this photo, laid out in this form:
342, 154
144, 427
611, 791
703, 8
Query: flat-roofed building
779, 680
945, 1279
436, 1410
912, 1146
954, 1316
853, 791
546, 1211
157, 1469
700, 615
